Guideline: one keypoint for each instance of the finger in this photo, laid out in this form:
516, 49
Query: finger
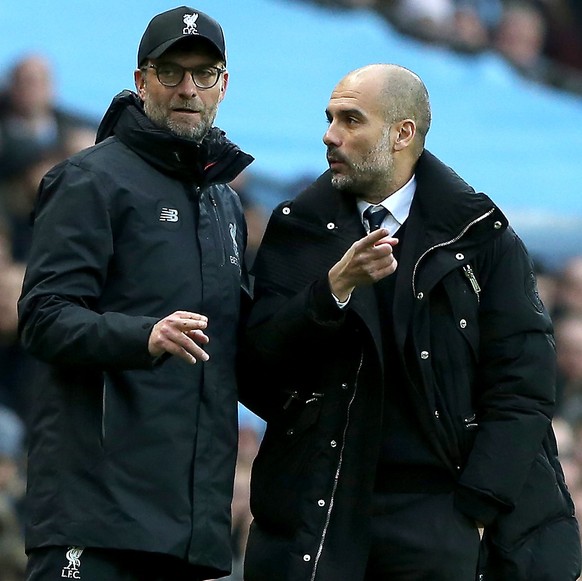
374, 237
187, 349
190, 315
388, 240
198, 336
188, 320
186, 325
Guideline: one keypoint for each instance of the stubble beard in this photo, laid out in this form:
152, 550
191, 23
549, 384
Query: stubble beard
159, 115
375, 170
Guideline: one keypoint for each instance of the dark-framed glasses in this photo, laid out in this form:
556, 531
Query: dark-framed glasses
171, 74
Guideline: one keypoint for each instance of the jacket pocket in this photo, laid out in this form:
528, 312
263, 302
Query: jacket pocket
549, 553
541, 501
280, 470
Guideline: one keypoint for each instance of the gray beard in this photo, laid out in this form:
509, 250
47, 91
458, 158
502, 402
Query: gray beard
158, 116
375, 172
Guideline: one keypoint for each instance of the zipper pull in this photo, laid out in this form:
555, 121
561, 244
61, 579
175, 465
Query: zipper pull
294, 395
471, 276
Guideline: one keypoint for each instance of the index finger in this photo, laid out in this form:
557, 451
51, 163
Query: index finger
373, 237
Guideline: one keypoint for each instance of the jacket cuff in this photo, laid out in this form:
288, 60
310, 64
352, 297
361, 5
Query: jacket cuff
324, 308
478, 507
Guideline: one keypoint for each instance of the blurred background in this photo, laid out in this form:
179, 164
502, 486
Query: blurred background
505, 80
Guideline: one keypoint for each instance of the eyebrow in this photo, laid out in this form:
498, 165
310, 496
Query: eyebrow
346, 113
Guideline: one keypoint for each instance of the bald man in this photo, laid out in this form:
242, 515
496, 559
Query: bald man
404, 363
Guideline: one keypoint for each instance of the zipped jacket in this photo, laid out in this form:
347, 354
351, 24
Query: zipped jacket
128, 452
475, 342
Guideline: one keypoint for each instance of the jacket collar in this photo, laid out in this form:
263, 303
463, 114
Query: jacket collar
215, 160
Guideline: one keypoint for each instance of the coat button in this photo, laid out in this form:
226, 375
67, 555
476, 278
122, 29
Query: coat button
462, 323
321, 502
436, 414
459, 256
290, 431
330, 226
286, 210
333, 443
420, 296
344, 385
424, 354
497, 225
307, 558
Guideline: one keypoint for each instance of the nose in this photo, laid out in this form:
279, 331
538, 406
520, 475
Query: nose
187, 87
331, 137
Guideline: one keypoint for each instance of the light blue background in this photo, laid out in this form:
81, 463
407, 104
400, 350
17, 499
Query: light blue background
519, 142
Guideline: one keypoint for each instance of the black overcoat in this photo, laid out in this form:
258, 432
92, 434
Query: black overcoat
477, 345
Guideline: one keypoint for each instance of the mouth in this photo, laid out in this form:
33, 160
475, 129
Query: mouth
334, 162
184, 111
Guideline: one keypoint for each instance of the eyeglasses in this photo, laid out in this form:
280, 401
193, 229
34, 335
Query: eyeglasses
172, 74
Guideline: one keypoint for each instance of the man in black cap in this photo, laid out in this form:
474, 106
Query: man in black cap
131, 303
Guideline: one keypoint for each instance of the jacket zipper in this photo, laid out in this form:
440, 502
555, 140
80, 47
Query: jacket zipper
337, 474
103, 408
472, 279
220, 236
452, 241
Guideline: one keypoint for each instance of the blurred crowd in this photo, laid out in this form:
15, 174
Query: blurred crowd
543, 39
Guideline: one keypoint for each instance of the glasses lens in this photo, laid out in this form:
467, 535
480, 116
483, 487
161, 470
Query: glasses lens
205, 77
170, 74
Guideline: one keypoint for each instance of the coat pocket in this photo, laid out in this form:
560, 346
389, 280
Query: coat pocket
541, 501
549, 553
280, 470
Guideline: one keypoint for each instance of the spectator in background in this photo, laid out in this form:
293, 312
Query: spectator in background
568, 330
474, 21
569, 287
14, 384
12, 442
428, 20
520, 36
255, 214
35, 134
29, 114
547, 280
564, 35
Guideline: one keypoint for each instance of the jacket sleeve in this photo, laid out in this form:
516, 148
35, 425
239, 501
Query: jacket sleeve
59, 318
515, 384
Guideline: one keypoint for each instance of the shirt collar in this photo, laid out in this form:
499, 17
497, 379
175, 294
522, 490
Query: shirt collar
398, 204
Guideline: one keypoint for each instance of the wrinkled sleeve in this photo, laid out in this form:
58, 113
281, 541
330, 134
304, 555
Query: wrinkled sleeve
59, 317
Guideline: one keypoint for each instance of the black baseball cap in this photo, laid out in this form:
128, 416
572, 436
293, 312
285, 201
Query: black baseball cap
172, 26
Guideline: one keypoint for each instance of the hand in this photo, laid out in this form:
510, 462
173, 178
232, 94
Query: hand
367, 261
180, 334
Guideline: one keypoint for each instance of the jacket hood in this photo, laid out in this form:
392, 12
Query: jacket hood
215, 160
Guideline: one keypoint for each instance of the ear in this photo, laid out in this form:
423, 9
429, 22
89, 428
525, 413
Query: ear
223, 85
139, 78
406, 130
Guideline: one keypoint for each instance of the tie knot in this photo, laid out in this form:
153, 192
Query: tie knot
375, 215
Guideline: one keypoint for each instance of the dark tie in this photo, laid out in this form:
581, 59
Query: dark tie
375, 215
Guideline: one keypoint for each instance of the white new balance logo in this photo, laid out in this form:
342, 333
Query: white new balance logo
169, 215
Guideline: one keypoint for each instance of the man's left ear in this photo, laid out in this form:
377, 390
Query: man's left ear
223, 85
405, 135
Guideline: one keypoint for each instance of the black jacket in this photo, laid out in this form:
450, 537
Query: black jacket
476, 343
127, 452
